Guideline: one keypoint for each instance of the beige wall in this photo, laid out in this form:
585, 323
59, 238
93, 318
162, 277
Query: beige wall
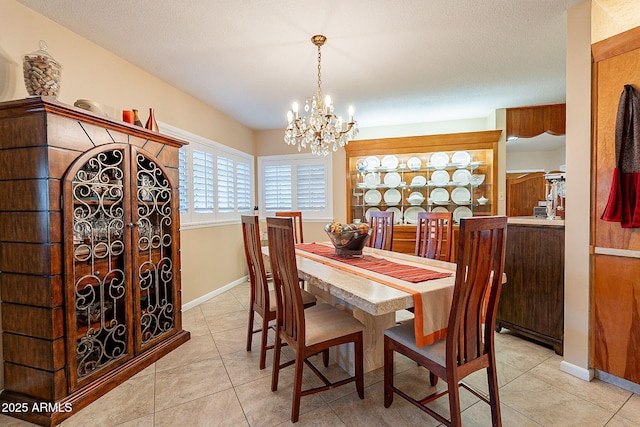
547, 160
578, 144
211, 257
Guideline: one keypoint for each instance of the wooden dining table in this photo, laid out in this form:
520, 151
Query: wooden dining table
369, 296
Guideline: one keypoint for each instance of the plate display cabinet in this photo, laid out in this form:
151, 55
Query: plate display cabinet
89, 255
453, 172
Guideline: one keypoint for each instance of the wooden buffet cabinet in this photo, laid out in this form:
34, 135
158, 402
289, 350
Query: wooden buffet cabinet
89, 255
532, 301
394, 164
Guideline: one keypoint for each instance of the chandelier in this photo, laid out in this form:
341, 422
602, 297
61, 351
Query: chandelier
320, 129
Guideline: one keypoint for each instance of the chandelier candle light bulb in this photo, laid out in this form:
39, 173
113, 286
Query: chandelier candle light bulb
320, 129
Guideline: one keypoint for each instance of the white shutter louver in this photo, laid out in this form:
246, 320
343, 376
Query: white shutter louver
203, 190
311, 187
183, 179
277, 187
243, 187
226, 185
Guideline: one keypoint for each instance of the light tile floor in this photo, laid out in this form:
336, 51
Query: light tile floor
211, 380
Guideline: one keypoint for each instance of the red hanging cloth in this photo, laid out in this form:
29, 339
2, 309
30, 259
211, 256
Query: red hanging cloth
623, 205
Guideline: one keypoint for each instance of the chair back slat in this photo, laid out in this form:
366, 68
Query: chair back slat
255, 262
434, 235
296, 216
480, 265
381, 224
290, 312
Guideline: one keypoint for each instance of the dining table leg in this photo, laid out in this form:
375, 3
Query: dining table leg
374, 327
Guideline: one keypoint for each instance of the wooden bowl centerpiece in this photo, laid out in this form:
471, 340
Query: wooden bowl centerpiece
348, 239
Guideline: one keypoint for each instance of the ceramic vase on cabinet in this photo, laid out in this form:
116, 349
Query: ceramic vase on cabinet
151, 121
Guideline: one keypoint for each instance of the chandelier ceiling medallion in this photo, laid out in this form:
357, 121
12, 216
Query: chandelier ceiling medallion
321, 130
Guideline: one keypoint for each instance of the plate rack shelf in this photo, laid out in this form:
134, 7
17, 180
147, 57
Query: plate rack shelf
452, 172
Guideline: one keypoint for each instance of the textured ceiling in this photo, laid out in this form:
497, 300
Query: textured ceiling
395, 61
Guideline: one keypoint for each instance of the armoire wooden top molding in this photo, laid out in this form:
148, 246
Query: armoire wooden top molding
21, 107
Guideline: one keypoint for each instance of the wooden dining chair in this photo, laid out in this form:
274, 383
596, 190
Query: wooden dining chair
434, 235
381, 224
263, 300
469, 345
306, 332
296, 216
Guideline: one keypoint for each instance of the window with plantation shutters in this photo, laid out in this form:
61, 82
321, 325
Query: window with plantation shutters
298, 182
216, 182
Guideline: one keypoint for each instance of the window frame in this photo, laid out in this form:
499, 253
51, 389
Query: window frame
294, 160
191, 219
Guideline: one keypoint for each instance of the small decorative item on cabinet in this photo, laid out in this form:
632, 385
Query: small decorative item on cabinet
136, 118
127, 116
151, 121
482, 200
41, 72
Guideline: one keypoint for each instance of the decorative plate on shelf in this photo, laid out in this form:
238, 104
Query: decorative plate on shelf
411, 214
367, 214
461, 158
372, 163
372, 179
461, 177
439, 160
361, 165
461, 196
392, 179
462, 212
476, 179
372, 197
440, 178
389, 162
418, 181
392, 197
439, 196
439, 209
414, 163
397, 215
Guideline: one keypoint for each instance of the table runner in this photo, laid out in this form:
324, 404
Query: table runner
379, 265
431, 302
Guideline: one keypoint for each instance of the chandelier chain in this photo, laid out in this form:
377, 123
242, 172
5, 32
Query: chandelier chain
319, 79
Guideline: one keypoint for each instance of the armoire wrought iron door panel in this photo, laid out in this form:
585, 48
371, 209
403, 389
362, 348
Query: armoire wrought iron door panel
100, 290
154, 252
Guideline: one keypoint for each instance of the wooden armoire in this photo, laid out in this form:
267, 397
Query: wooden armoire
89, 255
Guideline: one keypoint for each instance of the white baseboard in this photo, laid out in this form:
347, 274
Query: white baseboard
577, 371
212, 294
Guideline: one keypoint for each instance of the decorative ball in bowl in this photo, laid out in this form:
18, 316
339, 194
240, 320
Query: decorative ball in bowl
348, 239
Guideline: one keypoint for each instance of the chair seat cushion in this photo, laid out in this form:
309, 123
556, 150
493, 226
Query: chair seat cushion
405, 335
324, 322
307, 298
